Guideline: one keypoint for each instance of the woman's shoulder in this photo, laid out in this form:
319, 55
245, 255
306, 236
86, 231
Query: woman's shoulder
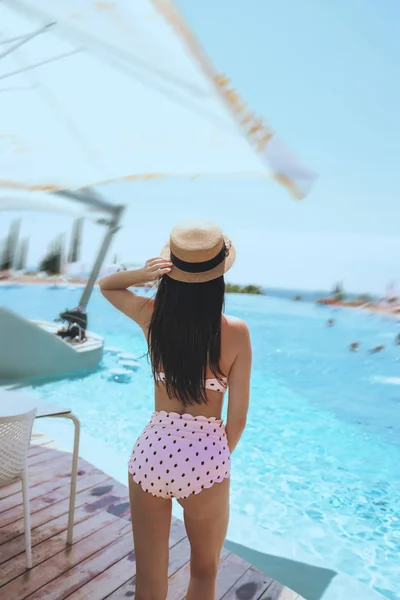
235, 325
236, 339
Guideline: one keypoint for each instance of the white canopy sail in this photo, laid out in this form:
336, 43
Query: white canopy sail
96, 91
16, 200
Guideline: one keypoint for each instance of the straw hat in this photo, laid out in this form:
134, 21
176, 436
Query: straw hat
199, 252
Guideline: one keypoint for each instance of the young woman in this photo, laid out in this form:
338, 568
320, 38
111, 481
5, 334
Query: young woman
196, 353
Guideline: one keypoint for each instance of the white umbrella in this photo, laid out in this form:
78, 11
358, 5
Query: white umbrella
98, 91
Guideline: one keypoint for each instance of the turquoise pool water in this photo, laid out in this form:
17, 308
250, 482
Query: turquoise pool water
319, 462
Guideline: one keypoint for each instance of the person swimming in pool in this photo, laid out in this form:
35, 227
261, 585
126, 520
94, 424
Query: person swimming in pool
354, 346
376, 349
184, 452
330, 322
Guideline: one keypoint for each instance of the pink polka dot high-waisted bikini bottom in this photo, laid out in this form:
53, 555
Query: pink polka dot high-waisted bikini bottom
178, 455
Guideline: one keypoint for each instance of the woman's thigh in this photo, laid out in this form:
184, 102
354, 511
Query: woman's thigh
151, 521
206, 519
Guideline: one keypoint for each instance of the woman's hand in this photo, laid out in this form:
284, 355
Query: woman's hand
137, 307
155, 268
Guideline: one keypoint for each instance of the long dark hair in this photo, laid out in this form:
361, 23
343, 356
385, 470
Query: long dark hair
185, 336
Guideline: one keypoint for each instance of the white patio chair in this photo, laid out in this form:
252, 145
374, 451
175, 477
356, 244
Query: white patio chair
15, 435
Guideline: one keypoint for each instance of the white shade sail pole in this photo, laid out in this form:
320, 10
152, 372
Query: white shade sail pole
90, 198
84, 203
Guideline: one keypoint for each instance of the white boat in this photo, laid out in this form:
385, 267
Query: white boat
31, 348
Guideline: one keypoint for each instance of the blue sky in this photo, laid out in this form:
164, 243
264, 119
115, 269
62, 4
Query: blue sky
325, 75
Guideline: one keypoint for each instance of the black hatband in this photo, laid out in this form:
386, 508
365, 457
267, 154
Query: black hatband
199, 267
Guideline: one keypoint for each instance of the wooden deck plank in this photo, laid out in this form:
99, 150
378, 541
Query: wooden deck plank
51, 496
87, 569
230, 571
100, 564
104, 584
41, 552
276, 591
111, 497
127, 590
40, 460
12, 488
287, 594
177, 533
44, 456
45, 441
56, 567
178, 583
38, 448
250, 586
121, 574
56, 475
178, 557
53, 510
41, 472
179, 579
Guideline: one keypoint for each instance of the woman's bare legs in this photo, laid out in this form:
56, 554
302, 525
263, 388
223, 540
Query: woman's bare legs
151, 521
206, 519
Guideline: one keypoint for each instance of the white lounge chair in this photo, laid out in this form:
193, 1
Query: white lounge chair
15, 435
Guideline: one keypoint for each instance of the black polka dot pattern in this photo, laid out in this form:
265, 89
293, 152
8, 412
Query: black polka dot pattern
172, 465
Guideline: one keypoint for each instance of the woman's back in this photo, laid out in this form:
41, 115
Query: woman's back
231, 343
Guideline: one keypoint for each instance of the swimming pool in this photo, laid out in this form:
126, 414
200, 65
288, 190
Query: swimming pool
320, 459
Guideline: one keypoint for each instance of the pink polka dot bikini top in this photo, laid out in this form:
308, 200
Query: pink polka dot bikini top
211, 384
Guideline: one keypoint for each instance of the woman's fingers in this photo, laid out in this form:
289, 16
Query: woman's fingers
158, 262
157, 267
160, 267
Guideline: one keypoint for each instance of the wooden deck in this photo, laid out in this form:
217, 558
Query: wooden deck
100, 564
